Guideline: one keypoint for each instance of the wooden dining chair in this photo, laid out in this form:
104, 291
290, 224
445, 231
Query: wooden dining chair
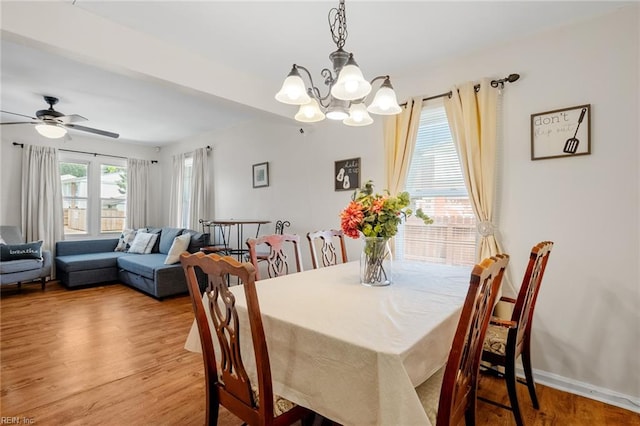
449, 396
262, 251
227, 381
506, 340
327, 247
276, 260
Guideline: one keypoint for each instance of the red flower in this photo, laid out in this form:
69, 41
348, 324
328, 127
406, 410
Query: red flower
351, 218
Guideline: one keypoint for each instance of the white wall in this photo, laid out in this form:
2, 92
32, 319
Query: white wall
587, 325
300, 173
11, 163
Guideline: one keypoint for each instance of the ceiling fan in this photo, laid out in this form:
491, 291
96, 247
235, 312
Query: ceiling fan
54, 124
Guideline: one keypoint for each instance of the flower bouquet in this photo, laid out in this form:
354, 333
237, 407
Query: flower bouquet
376, 217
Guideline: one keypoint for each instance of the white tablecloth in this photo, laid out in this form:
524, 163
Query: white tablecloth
353, 353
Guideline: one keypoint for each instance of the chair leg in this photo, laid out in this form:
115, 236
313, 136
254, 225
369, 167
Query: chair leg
213, 407
510, 378
528, 373
43, 281
470, 415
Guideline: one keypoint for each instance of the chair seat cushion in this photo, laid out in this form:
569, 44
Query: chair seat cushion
429, 394
280, 405
20, 265
496, 339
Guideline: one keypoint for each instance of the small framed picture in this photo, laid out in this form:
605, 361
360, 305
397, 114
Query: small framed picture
346, 175
260, 175
562, 132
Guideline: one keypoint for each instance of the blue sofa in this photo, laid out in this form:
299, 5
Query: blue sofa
81, 263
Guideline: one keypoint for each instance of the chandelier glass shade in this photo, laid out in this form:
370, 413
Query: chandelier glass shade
51, 131
348, 89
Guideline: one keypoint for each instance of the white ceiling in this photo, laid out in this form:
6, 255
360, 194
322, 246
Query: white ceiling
261, 39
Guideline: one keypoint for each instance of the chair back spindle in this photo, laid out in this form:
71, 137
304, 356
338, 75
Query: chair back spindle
328, 250
276, 259
230, 385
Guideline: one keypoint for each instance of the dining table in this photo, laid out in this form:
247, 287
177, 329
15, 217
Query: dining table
352, 353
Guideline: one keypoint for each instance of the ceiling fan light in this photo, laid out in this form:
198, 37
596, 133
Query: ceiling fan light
385, 101
293, 91
310, 112
358, 116
51, 131
351, 84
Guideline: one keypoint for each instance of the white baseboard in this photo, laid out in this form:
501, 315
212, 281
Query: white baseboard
584, 389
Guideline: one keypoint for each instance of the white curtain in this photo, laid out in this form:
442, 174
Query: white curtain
137, 193
199, 189
41, 196
472, 118
400, 133
176, 193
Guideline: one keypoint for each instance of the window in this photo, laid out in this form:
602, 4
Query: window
113, 198
74, 197
436, 185
94, 194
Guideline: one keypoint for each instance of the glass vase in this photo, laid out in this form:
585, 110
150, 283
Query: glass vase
376, 263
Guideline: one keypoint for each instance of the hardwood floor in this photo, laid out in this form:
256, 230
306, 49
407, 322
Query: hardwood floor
112, 356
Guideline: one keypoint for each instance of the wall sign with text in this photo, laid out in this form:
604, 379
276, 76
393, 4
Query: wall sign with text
346, 176
561, 133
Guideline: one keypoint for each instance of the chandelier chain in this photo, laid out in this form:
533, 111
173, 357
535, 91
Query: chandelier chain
338, 25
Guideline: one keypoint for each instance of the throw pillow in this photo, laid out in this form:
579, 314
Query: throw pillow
125, 240
143, 243
180, 244
31, 250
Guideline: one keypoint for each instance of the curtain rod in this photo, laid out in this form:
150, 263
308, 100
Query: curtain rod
494, 83
21, 145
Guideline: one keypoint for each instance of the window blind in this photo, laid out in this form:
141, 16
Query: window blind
436, 185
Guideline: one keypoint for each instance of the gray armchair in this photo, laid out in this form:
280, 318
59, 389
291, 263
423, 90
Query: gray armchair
22, 270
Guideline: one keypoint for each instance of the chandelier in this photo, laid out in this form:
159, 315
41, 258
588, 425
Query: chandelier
345, 99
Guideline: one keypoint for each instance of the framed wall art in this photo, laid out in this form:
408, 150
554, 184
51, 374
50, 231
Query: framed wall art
346, 176
561, 133
260, 175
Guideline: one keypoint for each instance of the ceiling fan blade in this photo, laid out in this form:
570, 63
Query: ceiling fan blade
17, 122
71, 118
21, 115
90, 130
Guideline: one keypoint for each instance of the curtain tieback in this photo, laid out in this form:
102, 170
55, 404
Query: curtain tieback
485, 228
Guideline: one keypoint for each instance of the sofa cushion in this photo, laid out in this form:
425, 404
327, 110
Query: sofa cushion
11, 234
88, 261
144, 265
125, 240
166, 238
20, 265
71, 247
10, 252
143, 243
156, 246
198, 240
